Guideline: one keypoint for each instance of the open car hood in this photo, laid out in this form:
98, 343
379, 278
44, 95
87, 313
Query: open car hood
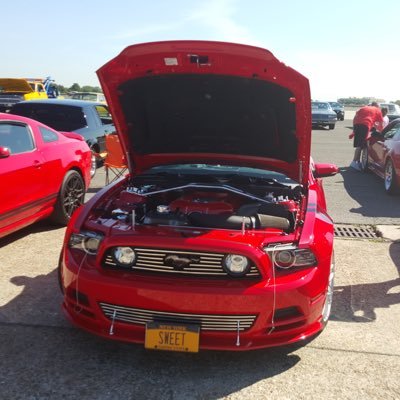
11, 85
209, 102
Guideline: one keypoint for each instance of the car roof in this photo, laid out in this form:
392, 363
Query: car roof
19, 118
87, 93
64, 102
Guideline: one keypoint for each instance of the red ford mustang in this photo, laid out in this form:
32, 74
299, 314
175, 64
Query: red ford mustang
43, 173
382, 156
219, 238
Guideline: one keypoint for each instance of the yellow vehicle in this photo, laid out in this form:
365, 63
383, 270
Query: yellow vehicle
14, 90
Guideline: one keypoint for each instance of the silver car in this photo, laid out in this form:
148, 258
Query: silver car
323, 114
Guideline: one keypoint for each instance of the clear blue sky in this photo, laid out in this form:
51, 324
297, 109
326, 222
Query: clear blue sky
345, 48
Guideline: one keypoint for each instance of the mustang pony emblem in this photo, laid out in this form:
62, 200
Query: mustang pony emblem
178, 263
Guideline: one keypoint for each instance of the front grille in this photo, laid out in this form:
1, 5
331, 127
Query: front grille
201, 264
207, 322
319, 117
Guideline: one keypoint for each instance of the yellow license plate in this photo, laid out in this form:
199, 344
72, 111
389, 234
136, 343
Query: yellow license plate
160, 336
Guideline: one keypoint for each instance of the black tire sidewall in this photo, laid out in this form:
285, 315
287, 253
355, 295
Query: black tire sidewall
363, 151
59, 215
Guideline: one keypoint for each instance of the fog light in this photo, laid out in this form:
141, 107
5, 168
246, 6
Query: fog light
236, 265
125, 256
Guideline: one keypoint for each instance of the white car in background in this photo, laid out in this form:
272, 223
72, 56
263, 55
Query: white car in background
89, 96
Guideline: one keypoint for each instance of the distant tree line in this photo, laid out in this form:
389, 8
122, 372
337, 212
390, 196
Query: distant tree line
77, 88
362, 101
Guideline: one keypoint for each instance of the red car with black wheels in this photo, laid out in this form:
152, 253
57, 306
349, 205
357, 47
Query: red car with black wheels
219, 237
43, 173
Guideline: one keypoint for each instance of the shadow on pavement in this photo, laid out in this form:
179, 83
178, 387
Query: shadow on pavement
40, 347
358, 303
368, 190
37, 304
37, 227
94, 189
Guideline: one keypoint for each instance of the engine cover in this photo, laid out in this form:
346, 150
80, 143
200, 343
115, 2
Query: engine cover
203, 202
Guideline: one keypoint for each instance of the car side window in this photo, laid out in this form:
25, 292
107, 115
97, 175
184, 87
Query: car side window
48, 136
104, 115
17, 137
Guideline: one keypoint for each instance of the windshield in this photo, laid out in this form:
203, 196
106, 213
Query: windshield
221, 171
320, 106
59, 117
392, 108
333, 104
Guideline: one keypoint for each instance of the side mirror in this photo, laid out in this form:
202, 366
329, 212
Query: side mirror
325, 170
4, 152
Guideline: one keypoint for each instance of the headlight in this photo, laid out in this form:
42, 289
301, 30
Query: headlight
236, 265
124, 256
289, 256
88, 242
284, 258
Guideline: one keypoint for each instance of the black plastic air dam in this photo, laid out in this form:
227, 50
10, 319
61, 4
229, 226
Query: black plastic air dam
236, 221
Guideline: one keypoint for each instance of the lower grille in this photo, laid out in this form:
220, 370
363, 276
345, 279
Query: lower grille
207, 322
201, 264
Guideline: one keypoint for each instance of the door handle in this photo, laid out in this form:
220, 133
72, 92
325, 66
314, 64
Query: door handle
37, 163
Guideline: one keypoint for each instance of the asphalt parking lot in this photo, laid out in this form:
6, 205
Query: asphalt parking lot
357, 355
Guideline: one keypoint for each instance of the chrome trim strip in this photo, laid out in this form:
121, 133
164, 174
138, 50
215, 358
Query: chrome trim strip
213, 322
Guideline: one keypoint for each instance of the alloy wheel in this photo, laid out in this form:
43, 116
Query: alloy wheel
388, 176
73, 194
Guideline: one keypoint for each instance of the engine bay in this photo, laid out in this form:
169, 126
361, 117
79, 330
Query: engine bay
239, 203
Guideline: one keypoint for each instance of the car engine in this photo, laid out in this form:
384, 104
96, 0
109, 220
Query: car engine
208, 204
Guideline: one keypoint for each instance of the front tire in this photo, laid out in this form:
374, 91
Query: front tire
59, 273
364, 159
70, 197
391, 185
331, 126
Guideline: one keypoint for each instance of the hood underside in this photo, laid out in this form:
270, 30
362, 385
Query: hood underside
175, 102
8, 85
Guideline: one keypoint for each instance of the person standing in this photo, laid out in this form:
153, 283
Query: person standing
364, 120
380, 126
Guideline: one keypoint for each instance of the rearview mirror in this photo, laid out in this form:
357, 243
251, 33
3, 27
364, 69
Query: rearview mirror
325, 170
4, 152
